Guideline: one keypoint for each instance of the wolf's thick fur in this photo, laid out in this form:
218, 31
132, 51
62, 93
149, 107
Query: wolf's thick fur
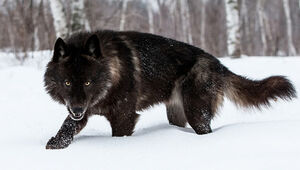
115, 74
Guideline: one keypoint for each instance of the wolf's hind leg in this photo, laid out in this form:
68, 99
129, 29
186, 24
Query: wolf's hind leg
176, 115
200, 101
175, 111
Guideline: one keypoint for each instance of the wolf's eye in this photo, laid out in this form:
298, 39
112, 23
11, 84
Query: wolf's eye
67, 83
87, 83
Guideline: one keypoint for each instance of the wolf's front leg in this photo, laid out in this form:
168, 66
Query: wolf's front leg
65, 134
123, 124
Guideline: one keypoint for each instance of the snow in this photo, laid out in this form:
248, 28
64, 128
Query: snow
241, 139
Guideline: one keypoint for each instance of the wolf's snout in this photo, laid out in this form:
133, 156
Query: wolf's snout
77, 111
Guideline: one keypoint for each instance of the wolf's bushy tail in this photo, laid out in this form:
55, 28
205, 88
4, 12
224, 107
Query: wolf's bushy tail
256, 93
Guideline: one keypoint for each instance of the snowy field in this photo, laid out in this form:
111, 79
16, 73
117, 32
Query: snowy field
241, 139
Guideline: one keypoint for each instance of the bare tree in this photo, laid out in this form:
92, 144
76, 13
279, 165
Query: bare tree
10, 25
291, 47
244, 19
59, 16
185, 21
233, 34
78, 21
264, 27
150, 16
123, 14
203, 18
260, 12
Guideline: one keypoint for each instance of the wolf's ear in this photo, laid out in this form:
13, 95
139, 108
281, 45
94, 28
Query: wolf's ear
60, 50
92, 46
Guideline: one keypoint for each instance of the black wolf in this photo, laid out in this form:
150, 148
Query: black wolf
116, 74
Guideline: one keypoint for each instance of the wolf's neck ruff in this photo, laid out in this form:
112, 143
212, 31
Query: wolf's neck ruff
102, 95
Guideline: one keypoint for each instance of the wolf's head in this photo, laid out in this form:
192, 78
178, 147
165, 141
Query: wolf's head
78, 75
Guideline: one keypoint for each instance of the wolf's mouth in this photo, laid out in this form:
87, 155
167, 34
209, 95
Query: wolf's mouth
76, 118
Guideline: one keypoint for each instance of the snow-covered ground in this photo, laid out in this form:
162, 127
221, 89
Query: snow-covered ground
241, 139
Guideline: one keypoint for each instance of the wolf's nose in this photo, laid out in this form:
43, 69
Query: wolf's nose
77, 111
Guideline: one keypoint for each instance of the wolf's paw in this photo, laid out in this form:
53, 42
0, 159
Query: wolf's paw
202, 129
58, 143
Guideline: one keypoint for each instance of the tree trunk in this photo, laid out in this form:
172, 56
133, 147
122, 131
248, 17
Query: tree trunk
233, 30
10, 29
36, 44
78, 21
59, 17
269, 36
185, 21
245, 20
150, 17
123, 15
291, 47
260, 10
203, 21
